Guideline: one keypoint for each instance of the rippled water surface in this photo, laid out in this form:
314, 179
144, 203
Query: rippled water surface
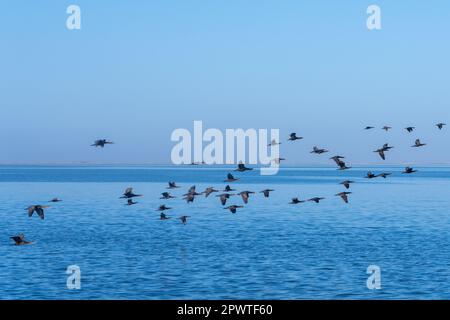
268, 250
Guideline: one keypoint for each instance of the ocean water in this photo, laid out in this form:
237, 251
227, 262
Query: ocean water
268, 250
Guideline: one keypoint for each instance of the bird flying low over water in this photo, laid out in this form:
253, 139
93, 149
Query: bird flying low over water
241, 167
418, 144
230, 178
296, 201
224, 197
245, 195
409, 170
228, 189
129, 194
163, 216
368, 128
101, 143
233, 208
163, 208
346, 183
316, 199
55, 200
130, 202
293, 137
208, 191
440, 125
167, 196
172, 185
386, 128
19, 240
318, 150
38, 209
273, 143
184, 219
266, 192
341, 164
410, 129
343, 195
382, 150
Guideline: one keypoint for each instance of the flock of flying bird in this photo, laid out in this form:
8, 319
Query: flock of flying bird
225, 194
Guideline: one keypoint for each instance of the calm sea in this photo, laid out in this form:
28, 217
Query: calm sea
268, 250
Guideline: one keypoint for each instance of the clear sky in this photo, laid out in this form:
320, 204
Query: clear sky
137, 70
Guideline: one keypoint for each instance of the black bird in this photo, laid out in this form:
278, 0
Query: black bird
38, 209
343, 195
230, 178
208, 191
386, 128
228, 189
347, 183
224, 197
384, 175
167, 196
387, 147
409, 170
163, 216
340, 163
19, 240
296, 201
129, 194
368, 128
55, 200
418, 144
184, 219
440, 125
245, 195
101, 143
266, 192
163, 208
316, 199
233, 208
241, 167
370, 175
410, 129
293, 137
130, 202
318, 150
172, 185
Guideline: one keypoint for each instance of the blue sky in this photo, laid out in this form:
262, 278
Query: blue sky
139, 69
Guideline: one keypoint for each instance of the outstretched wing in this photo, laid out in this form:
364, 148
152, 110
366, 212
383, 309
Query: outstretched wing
40, 212
31, 210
